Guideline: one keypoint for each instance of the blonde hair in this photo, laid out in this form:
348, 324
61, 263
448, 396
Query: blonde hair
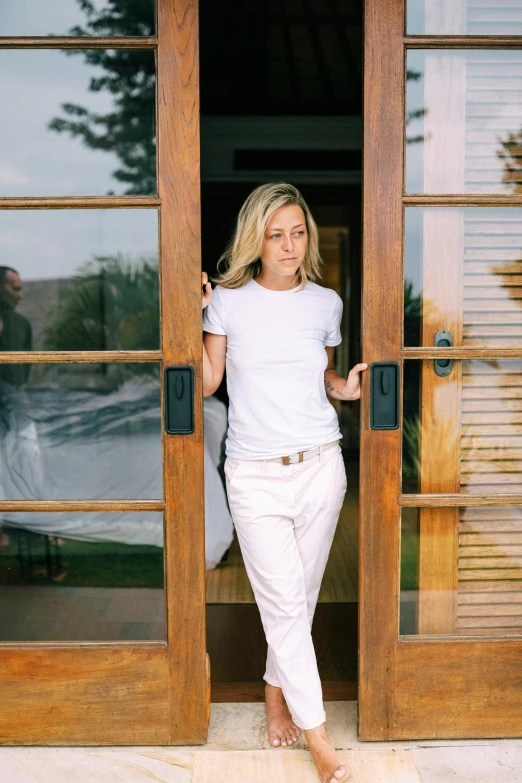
240, 261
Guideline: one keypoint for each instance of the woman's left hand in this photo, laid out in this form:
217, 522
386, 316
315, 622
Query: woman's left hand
353, 382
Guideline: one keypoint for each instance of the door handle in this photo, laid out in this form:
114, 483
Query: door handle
443, 367
384, 395
179, 400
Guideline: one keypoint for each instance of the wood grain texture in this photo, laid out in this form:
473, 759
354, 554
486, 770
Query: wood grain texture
46, 357
432, 501
84, 695
81, 505
463, 200
462, 353
381, 341
78, 42
180, 263
460, 688
79, 202
462, 42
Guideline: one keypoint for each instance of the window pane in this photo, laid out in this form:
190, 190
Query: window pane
81, 577
463, 432
464, 121
463, 274
81, 280
464, 17
81, 122
66, 17
461, 571
80, 431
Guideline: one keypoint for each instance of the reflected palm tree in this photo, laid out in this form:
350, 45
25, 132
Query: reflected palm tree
112, 304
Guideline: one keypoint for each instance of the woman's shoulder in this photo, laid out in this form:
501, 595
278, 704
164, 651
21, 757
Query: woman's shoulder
320, 291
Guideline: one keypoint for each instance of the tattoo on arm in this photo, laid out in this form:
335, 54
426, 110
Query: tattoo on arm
332, 388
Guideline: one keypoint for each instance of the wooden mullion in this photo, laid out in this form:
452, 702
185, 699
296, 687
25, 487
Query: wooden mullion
449, 500
80, 202
461, 353
463, 199
78, 42
462, 41
81, 505
382, 305
180, 269
44, 357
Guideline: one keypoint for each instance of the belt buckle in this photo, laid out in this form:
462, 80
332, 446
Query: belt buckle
291, 459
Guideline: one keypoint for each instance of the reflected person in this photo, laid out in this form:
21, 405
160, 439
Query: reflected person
15, 330
21, 470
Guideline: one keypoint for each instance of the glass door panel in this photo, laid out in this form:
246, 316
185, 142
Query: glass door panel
461, 571
470, 419
463, 274
464, 121
81, 576
82, 280
464, 17
81, 122
67, 17
89, 431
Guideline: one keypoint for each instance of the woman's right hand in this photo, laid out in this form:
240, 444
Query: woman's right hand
207, 291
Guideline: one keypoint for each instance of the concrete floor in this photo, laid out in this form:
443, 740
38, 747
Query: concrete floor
237, 750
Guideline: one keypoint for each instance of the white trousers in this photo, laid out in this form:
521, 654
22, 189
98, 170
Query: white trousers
285, 517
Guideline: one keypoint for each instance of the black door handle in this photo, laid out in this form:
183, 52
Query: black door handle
443, 367
384, 396
179, 400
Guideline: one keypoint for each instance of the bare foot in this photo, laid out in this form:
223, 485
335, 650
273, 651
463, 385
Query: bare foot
282, 731
328, 764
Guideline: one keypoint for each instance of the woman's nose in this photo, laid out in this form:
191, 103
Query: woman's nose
287, 242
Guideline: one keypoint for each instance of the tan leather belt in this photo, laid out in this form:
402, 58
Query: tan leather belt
302, 456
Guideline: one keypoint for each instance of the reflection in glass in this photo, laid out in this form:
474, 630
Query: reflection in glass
81, 576
74, 17
463, 433
463, 273
82, 280
80, 431
461, 570
464, 17
81, 122
464, 121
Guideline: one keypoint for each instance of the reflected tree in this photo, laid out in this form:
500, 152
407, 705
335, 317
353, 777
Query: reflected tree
511, 153
129, 76
112, 304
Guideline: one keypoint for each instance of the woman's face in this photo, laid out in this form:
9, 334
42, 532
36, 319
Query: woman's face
285, 242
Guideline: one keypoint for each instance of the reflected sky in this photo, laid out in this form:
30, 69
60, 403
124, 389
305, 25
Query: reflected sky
50, 244
43, 17
37, 161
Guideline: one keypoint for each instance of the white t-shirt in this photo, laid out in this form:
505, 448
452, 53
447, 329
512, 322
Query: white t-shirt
275, 364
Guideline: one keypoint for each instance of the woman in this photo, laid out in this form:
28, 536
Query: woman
276, 330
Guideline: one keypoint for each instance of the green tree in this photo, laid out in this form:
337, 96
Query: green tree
129, 76
112, 305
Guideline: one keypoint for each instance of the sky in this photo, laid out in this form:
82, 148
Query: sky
35, 161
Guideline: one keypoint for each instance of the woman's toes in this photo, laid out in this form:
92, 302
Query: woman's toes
339, 774
275, 742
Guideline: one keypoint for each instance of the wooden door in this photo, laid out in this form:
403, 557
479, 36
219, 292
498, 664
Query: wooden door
441, 496
103, 637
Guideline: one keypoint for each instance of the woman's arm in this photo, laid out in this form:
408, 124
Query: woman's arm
214, 348
342, 388
214, 354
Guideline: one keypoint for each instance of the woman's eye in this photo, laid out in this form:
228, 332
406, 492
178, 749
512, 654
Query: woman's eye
299, 233
275, 236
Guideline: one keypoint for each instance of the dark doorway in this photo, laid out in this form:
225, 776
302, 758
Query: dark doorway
281, 100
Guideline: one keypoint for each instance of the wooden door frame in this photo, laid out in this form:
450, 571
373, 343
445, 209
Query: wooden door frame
423, 686
155, 693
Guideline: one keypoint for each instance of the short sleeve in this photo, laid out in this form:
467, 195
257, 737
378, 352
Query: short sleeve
213, 320
333, 334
